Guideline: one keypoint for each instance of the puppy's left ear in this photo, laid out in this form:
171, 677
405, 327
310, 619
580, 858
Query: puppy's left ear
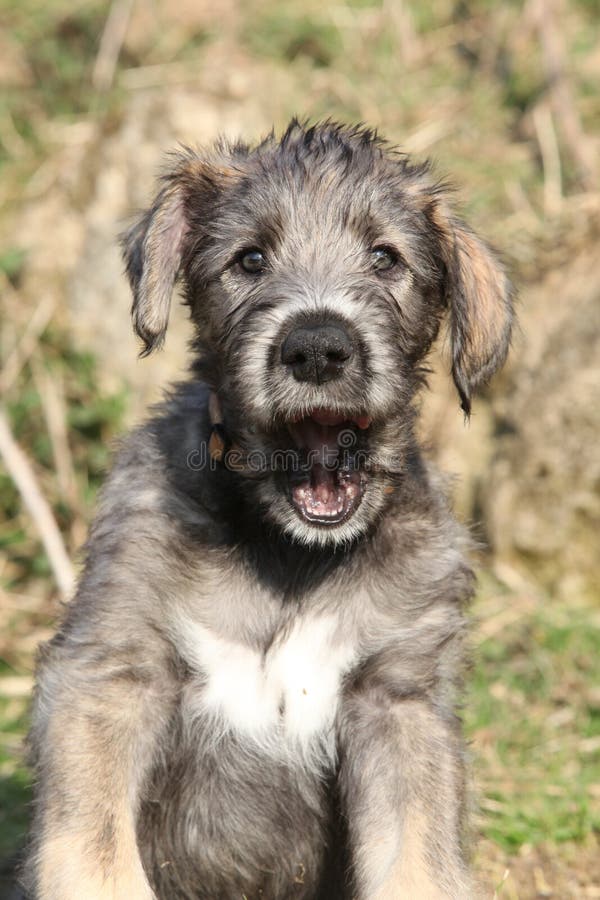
480, 300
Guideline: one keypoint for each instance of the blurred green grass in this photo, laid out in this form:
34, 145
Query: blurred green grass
534, 712
14, 777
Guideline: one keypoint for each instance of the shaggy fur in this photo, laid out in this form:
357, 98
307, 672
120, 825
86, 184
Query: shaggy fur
243, 700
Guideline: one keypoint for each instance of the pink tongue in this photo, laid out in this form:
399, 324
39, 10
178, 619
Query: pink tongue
323, 484
320, 496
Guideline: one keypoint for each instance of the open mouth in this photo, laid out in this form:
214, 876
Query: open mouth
328, 486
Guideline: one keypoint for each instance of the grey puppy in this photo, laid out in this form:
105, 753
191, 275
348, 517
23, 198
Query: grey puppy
253, 693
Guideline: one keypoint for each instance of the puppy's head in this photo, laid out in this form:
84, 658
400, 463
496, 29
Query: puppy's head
317, 269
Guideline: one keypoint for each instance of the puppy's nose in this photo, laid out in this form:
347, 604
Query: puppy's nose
317, 353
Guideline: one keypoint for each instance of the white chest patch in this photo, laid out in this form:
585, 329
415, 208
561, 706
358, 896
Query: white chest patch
284, 701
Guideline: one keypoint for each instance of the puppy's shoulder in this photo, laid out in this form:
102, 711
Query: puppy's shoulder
158, 477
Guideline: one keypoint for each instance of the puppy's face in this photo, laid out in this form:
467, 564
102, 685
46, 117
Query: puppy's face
317, 270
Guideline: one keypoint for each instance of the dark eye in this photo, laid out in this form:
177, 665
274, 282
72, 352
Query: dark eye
383, 258
252, 261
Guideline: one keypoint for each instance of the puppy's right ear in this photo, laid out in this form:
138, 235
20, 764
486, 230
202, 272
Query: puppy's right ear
155, 246
152, 250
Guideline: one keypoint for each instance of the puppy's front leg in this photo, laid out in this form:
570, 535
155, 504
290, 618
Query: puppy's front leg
94, 737
402, 788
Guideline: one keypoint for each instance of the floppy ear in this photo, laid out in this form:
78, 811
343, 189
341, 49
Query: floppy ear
480, 301
152, 250
155, 246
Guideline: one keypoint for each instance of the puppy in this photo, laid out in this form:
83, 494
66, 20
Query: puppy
253, 692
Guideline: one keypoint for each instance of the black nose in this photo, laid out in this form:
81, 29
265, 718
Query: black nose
316, 353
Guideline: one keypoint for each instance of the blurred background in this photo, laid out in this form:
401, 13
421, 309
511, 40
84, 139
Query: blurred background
505, 98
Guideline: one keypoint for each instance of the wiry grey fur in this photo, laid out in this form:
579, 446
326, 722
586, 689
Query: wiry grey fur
144, 788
